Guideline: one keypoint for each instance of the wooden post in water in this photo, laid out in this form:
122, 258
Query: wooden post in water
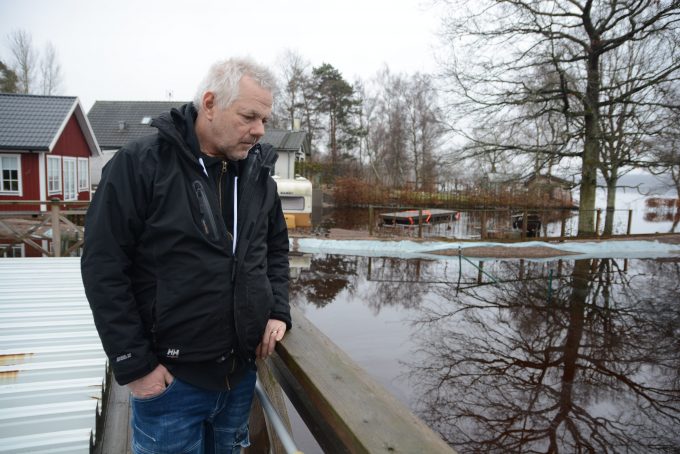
630, 222
56, 230
482, 232
420, 222
370, 220
597, 222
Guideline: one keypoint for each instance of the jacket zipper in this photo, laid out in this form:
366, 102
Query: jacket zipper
209, 225
219, 184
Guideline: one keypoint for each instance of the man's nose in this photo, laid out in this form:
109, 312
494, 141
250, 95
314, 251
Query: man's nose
257, 130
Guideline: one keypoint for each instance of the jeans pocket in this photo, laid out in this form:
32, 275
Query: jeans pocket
162, 394
159, 424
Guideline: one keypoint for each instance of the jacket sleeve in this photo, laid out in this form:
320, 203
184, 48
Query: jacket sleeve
113, 225
277, 262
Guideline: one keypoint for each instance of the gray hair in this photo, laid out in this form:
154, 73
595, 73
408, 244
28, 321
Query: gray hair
223, 80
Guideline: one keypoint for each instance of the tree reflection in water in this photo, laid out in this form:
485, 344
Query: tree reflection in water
589, 365
327, 276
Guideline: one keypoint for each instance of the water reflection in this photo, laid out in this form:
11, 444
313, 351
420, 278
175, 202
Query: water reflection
520, 356
593, 368
324, 279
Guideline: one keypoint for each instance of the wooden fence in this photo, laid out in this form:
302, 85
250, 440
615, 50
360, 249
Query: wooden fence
49, 230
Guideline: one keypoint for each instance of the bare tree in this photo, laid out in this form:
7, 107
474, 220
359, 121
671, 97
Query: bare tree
36, 73
294, 71
404, 131
498, 46
21, 47
50, 71
424, 129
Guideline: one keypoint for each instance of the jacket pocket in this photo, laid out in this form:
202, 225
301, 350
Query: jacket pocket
208, 224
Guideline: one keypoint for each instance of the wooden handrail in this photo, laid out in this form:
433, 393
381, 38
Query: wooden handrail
344, 408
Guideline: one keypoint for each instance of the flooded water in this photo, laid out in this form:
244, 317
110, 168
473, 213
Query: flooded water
653, 208
514, 355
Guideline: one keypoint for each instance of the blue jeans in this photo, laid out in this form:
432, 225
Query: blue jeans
185, 419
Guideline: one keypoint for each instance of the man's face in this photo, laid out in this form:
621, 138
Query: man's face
234, 130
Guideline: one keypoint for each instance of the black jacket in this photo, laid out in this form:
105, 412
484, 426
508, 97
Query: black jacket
158, 267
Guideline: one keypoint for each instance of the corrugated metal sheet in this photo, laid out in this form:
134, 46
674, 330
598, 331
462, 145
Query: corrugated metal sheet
52, 365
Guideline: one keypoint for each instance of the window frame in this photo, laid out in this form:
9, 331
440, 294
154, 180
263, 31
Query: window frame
86, 163
14, 249
70, 161
59, 179
20, 183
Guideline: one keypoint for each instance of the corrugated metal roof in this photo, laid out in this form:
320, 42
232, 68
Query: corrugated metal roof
52, 365
30, 122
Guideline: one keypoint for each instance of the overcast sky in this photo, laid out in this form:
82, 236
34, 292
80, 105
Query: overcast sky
143, 49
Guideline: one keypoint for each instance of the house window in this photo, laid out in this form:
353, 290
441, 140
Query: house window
10, 174
54, 175
70, 181
15, 250
83, 174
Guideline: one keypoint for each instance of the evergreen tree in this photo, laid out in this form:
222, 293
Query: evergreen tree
336, 100
8, 80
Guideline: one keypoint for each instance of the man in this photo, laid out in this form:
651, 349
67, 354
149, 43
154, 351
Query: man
185, 265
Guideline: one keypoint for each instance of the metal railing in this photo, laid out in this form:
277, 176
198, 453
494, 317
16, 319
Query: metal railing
275, 421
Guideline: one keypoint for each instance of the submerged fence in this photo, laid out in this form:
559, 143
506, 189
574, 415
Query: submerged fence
488, 223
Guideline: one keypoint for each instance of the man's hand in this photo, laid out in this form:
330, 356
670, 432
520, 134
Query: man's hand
151, 384
273, 333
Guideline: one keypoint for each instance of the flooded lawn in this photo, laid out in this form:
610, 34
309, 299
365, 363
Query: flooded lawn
515, 355
651, 210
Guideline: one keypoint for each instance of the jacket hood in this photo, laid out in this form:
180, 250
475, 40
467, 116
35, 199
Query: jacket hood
177, 127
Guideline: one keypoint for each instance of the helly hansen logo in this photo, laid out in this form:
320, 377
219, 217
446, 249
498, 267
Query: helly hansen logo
123, 357
172, 353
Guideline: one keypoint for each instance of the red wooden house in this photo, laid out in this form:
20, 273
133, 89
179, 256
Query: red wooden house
46, 143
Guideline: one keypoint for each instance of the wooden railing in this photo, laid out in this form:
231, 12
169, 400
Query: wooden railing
21, 223
344, 408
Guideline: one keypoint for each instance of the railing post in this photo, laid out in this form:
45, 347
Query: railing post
370, 220
56, 229
420, 223
630, 222
597, 222
563, 228
525, 223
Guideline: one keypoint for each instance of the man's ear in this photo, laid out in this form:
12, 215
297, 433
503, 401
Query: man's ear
208, 104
